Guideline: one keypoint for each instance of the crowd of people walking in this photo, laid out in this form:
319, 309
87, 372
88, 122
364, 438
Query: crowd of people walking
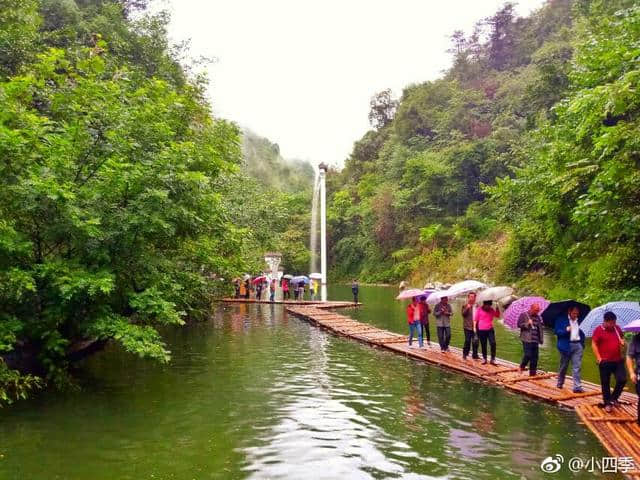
608, 342
301, 287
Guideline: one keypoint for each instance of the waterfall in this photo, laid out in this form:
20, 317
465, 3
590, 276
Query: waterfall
313, 243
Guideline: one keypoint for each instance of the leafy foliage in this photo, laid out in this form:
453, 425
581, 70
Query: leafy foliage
118, 211
530, 138
578, 198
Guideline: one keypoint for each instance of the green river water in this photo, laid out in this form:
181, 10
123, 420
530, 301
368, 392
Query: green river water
255, 393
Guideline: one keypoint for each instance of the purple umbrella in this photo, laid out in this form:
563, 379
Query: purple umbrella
520, 306
633, 326
410, 293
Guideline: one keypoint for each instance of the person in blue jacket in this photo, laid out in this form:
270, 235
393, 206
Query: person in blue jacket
571, 347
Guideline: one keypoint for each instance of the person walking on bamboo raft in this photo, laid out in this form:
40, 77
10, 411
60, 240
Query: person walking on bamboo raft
443, 312
571, 347
424, 319
484, 326
531, 334
414, 310
272, 290
606, 342
633, 365
470, 333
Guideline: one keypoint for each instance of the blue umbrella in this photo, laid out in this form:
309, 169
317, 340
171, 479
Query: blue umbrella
626, 312
300, 278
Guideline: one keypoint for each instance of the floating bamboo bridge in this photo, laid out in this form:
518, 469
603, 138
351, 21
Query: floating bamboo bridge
618, 431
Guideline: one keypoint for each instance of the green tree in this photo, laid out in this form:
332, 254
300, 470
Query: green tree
19, 23
111, 224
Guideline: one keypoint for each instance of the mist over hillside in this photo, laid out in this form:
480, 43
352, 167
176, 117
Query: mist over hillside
263, 161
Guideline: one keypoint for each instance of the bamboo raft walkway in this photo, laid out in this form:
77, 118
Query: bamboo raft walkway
618, 431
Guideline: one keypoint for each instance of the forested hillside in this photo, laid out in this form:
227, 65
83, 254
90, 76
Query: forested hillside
262, 161
271, 200
520, 164
123, 202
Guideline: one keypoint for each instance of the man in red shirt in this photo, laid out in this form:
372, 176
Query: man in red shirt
607, 341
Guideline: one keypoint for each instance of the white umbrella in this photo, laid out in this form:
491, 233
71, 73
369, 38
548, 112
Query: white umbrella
436, 296
317, 276
246, 276
467, 286
287, 276
494, 293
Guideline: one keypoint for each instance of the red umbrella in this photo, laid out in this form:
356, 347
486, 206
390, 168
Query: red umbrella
260, 279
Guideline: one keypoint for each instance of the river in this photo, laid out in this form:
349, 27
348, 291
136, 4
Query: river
255, 393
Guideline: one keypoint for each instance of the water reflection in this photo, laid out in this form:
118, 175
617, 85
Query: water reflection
319, 435
467, 443
255, 393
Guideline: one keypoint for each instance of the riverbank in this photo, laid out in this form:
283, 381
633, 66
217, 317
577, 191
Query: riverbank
489, 261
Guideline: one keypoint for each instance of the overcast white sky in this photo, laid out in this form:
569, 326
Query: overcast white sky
301, 72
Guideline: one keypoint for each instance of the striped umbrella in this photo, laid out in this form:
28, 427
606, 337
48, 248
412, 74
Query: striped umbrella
626, 312
520, 306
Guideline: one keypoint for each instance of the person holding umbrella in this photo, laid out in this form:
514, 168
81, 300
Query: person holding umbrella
483, 323
633, 356
414, 310
470, 333
531, 334
443, 312
424, 318
606, 342
571, 347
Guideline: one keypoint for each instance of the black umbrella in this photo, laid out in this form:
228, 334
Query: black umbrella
559, 309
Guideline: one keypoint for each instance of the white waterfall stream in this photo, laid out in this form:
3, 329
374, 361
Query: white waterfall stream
313, 243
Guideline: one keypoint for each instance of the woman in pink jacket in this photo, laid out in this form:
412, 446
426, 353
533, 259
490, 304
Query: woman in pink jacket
484, 326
